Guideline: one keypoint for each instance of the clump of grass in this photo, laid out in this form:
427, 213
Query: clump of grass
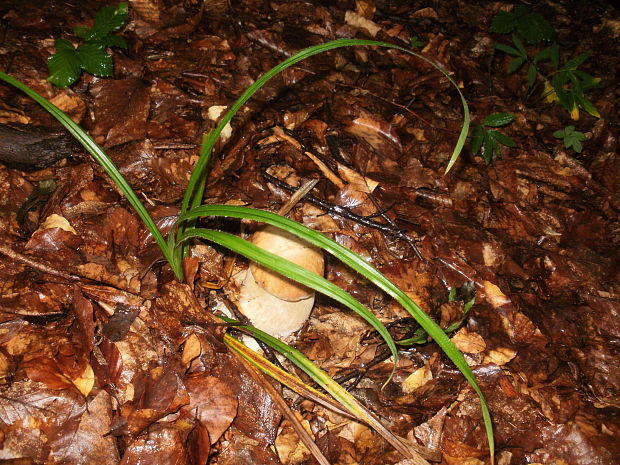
174, 247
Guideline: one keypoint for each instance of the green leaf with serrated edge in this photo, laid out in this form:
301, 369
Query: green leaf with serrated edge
63, 45
106, 163
519, 45
502, 138
497, 120
503, 22
113, 41
515, 64
293, 271
64, 65
107, 20
559, 134
531, 74
81, 31
577, 61
507, 49
95, 59
535, 28
112, 18
477, 135
365, 269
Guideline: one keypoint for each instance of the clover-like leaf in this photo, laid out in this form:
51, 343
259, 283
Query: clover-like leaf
571, 138
66, 65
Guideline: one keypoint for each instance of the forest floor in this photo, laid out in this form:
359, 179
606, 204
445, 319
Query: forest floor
106, 358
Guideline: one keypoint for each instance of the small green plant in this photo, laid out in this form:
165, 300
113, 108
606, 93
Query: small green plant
66, 65
415, 42
528, 24
175, 247
571, 138
466, 295
489, 140
567, 84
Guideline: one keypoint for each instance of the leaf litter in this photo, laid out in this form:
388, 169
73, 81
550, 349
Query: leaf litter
105, 359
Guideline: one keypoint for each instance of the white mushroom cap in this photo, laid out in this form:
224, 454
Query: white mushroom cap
292, 248
273, 303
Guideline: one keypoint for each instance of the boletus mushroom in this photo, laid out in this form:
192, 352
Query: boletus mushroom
274, 303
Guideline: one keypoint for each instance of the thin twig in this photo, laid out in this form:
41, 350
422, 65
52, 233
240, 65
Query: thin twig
348, 214
36, 265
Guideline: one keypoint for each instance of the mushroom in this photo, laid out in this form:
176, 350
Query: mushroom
274, 303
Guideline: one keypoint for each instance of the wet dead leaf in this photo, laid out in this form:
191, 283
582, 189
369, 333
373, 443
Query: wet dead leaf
212, 403
289, 447
357, 20
470, 343
163, 443
417, 379
56, 221
500, 356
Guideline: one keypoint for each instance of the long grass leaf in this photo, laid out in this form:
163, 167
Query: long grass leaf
254, 366
195, 189
295, 272
365, 269
352, 405
106, 163
283, 377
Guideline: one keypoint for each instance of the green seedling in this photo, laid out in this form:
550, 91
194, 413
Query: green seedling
415, 42
566, 85
489, 140
530, 25
192, 210
571, 138
465, 294
66, 65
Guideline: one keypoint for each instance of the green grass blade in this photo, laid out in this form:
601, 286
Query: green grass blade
361, 266
295, 272
284, 377
346, 400
106, 163
193, 194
